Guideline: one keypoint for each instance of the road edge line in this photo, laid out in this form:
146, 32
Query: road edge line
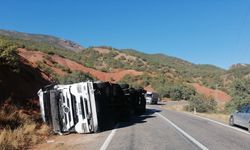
217, 122
184, 133
109, 138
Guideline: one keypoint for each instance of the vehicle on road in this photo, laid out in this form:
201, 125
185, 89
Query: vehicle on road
69, 108
87, 107
241, 117
152, 97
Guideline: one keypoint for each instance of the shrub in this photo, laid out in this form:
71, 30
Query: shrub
75, 77
236, 103
63, 68
202, 104
8, 54
51, 53
175, 93
66, 69
240, 92
178, 92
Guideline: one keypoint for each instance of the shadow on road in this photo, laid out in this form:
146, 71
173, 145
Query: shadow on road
137, 119
240, 127
156, 104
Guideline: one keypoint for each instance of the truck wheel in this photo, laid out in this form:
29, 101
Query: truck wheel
124, 86
231, 121
102, 85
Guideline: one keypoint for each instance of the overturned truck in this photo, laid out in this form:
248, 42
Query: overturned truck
89, 106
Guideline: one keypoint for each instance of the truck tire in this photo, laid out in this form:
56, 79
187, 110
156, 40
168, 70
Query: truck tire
124, 86
102, 85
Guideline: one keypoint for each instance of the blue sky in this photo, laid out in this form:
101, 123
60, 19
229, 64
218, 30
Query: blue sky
200, 31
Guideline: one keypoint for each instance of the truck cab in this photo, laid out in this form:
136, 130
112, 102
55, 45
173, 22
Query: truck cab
69, 108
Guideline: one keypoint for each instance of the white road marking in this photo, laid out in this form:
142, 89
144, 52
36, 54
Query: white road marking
184, 133
109, 138
222, 124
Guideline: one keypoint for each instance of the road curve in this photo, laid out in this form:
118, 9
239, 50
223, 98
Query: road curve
149, 132
152, 131
157, 129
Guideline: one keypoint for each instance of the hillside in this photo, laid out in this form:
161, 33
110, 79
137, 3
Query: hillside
62, 66
30, 61
21, 87
27, 39
239, 70
157, 71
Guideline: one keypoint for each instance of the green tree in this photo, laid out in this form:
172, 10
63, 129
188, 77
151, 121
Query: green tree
202, 103
187, 92
8, 54
240, 92
178, 91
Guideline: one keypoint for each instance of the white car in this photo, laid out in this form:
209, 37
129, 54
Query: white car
241, 117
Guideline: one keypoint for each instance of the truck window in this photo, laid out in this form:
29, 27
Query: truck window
82, 107
86, 104
149, 95
68, 106
74, 108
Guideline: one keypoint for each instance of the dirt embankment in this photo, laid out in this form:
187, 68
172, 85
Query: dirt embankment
21, 88
35, 56
218, 95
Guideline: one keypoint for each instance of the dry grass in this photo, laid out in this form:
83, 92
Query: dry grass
219, 116
177, 106
216, 116
19, 130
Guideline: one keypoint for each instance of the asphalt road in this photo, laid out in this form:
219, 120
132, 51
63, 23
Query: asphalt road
165, 129
157, 129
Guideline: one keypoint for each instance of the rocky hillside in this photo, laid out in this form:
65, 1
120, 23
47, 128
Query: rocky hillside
239, 70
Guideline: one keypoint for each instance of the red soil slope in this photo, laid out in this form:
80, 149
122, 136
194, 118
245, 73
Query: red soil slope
35, 56
21, 88
218, 95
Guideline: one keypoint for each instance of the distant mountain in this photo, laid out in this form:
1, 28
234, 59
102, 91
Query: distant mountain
239, 65
40, 38
239, 70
